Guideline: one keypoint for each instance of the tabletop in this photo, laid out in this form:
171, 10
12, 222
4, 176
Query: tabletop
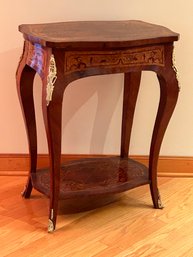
99, 34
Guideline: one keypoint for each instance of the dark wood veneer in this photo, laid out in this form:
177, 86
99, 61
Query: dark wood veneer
94, 176
99, 34
63, 52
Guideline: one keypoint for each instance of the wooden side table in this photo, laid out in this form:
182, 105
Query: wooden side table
63, 52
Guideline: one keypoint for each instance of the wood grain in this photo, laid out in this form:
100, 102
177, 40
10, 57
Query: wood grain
94, 176
127, 227
64, 52
86, 33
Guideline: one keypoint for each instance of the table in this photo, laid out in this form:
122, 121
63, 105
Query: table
67, 51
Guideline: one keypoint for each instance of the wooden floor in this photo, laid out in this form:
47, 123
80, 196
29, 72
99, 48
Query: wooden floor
126, 227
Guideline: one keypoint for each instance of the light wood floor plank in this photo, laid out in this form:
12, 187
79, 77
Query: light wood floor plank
126, 227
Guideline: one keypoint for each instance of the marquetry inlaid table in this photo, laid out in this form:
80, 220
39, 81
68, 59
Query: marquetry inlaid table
64, 52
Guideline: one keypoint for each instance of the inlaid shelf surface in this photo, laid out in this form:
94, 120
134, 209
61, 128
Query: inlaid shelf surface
94, 176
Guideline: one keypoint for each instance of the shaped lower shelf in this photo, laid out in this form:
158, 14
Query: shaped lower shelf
94, 176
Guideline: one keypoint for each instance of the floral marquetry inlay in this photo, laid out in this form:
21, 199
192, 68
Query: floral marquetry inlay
76, 61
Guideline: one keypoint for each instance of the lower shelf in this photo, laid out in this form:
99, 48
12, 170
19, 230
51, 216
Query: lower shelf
94, 176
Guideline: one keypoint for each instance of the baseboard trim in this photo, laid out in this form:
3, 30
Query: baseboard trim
170, 166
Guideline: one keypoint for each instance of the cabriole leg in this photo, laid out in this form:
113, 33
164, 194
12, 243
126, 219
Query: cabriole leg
24, 77
168, 97
130, 93
53, 90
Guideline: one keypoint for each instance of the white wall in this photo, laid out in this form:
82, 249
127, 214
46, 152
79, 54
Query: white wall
92, 106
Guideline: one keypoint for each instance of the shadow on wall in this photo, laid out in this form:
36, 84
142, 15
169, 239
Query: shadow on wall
98, 97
